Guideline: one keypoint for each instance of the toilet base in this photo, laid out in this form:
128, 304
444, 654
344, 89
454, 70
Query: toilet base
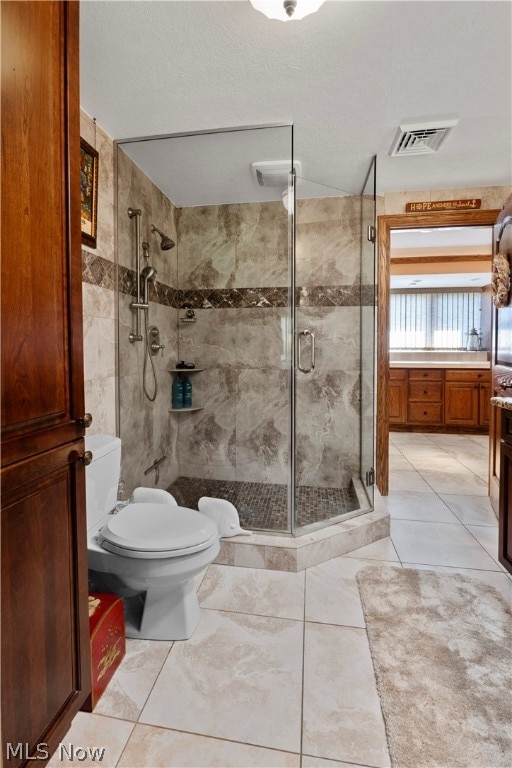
170, 614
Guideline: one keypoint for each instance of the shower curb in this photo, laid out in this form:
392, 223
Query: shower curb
288, 553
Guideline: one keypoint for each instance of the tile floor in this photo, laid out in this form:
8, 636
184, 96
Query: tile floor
279, 671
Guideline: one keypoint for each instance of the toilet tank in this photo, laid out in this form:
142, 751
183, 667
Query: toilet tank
102, 476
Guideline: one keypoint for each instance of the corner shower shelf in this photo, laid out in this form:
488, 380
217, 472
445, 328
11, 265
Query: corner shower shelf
185, 370
182, 410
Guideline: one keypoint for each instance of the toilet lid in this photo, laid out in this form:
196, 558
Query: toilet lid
158, 528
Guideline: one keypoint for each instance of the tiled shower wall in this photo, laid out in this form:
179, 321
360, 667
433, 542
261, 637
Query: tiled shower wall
234, 271
147, 429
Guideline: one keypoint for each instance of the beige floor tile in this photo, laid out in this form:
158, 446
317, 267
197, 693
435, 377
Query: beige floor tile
131, 684
320, 762
342, 715
409, 438
446, 482
238, 677
160, 748
332, 594
408, 481
399, 463
487, 537
408, 505
439, 544
90, 732
478, 466
253, 590
437, 464
471, 510
378, 550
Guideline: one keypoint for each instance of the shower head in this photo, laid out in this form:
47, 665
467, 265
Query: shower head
166, 243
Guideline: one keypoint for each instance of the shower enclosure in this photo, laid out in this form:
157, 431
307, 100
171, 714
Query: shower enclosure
269, 293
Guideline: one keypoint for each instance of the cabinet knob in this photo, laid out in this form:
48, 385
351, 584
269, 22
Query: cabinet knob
86, 420
425, 391
87, 458
425, 413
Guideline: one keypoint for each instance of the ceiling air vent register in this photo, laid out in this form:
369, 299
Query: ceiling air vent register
422, 136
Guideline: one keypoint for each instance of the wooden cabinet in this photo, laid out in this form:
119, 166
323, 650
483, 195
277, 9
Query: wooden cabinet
425, 396
505, 494
45, 666
467, 396
439, 399
397, 395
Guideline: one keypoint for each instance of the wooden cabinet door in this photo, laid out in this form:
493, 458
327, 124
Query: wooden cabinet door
505, 507
397, 401
461, 400
484, 405
41, 308
45, 655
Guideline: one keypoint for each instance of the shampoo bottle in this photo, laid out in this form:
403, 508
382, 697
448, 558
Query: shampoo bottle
187, 392
177, 392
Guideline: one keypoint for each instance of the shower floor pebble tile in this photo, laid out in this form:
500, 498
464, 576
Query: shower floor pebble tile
235, 693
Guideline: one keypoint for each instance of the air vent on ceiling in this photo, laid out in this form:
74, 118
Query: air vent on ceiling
422, 136
273, 173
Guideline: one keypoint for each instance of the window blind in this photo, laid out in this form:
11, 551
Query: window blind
433, 319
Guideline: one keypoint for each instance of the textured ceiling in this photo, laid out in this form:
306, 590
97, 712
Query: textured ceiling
345, 77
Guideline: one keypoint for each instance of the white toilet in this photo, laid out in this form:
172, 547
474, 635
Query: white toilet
148, 554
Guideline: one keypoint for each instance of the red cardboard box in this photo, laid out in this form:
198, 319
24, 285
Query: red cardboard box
108, 646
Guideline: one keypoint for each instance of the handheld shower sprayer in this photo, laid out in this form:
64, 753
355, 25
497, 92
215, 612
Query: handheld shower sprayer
166, 243
147, 275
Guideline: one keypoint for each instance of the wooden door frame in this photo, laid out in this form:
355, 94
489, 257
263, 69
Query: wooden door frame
384, 226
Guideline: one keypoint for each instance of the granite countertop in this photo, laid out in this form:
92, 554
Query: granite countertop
502, 402
438, 364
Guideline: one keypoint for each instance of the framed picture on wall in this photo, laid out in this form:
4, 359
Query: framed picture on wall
88, 192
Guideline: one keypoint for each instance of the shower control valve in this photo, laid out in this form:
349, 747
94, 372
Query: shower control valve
156, 347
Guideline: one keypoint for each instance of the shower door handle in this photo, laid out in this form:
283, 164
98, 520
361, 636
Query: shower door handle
301, 335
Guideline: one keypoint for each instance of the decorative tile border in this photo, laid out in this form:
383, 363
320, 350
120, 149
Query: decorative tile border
97, 271
101, 272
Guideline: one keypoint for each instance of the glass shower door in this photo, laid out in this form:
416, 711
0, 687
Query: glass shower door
368, 288
327, 370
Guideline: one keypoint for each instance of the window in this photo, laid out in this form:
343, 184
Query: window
433, 319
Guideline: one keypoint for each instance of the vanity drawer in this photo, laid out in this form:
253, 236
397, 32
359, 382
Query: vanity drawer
465, 375
398, 373
424, 413
426, 391
426, 374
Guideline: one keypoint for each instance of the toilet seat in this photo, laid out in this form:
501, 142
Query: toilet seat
150, 531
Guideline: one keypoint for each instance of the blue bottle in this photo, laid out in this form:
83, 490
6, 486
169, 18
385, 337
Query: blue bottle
177, 392
187, 392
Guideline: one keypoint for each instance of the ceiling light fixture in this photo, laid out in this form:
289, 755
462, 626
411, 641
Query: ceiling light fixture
289, 10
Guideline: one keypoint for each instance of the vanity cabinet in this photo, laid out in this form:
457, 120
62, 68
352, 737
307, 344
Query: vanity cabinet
467, 398
397, 396
439, 399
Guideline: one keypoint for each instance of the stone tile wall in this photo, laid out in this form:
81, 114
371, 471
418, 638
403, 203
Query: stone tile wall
98, 293
234, 270
147, 430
